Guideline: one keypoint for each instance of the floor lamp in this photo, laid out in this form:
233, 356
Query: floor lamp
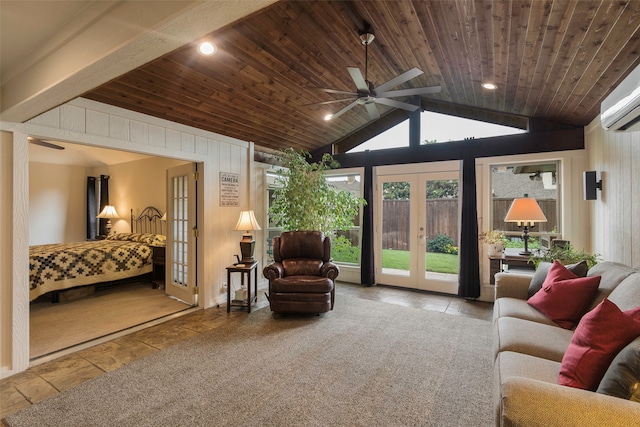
525, 212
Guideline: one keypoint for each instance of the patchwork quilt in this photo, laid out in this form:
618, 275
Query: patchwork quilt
62, 266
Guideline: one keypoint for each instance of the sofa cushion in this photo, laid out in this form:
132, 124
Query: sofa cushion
302, 284
302, 244
509, 364
535, 339
600, 335
580, 269
612, 274
512, 364
627, 294
516, 307
565, 297
302, 267
622, 378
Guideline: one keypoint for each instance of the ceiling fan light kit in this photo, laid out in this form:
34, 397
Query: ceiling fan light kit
368, 95
367, 37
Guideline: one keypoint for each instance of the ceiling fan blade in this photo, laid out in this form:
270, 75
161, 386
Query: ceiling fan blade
344, 110
46, 144
360, 82
404, 77
410, 92
328, 102
397, 104
339, 92
373, 111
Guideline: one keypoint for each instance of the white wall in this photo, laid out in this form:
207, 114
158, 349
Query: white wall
614, 230
136, 185
6, 248
57, 207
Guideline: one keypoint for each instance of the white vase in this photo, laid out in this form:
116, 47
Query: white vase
495, 249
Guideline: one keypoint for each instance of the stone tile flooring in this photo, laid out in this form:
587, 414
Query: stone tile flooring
50, 378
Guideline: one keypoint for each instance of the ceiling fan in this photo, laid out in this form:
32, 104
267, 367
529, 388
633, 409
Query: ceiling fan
42, 143
369, 95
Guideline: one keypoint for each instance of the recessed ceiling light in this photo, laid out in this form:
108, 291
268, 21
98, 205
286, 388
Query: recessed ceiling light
328, 117
489, 86
207, 48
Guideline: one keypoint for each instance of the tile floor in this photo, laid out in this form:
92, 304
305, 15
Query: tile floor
50, 378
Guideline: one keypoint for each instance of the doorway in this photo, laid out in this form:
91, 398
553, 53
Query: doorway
97, 311
418, 230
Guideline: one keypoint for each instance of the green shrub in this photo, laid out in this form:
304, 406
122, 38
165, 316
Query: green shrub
343, 251
440, 243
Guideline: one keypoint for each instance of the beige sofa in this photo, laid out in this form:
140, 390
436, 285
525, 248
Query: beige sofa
528, 353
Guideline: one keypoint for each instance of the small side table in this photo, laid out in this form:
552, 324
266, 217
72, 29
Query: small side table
243, 269
158, 272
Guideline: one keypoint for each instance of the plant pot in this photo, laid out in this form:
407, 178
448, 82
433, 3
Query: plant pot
495, 249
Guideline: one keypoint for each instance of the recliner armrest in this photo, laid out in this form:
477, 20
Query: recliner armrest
273, 271
330, 270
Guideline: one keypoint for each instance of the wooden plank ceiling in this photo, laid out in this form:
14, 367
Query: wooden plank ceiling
554, 60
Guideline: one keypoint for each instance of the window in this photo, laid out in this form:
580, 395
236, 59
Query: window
537, 180
436, 128
345, 246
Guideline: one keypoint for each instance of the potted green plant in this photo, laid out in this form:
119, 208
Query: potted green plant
495, 241
305, 200
566, 254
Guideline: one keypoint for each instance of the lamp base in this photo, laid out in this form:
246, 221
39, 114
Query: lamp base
525, 237
247, 245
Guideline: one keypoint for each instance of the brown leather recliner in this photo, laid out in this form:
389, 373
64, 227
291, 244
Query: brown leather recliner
301, 278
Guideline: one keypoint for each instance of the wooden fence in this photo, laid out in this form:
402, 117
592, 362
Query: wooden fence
442, 218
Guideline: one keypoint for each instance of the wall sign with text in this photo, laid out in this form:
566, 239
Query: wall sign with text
229, 185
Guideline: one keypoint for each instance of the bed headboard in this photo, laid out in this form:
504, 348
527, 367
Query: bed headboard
149, 221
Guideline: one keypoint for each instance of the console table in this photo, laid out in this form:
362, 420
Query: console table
244, 270
510, 259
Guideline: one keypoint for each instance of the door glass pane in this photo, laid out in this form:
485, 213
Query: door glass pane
441, 232
395, 227
180, 232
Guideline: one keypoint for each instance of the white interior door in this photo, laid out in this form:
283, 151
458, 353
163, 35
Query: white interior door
181, 280
413, 209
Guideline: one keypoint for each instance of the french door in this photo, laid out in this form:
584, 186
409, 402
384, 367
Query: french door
417, 230
181, 281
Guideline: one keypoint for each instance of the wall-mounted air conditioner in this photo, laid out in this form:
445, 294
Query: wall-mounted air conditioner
620, 110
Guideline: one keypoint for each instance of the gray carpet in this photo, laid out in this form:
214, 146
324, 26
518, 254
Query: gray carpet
367, 363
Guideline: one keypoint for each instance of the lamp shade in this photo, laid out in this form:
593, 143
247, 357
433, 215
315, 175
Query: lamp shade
108, 212
525, 211
164, 217
247, 222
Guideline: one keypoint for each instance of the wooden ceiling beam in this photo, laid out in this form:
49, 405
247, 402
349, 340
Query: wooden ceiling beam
526, 143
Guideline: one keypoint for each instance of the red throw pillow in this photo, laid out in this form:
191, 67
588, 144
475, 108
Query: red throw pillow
599, 337
565, 297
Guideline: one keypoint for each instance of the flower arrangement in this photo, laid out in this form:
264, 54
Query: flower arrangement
492, 237
495, 241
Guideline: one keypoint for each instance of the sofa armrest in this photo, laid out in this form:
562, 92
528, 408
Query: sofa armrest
531, 403
330, 270
273, 271
512, 285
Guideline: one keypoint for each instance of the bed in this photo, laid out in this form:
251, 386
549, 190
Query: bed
120, 256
